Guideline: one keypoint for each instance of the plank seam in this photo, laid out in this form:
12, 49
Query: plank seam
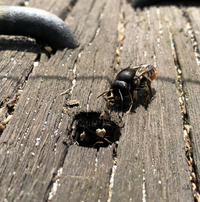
121, 30
90, 91
23, 3
65, 11
74, 79
8, 106
96, 33
112, 177
119, 48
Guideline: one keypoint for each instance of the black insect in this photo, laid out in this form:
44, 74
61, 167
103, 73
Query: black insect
128, 82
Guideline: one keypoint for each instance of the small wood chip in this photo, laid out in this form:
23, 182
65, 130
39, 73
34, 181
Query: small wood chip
72, 103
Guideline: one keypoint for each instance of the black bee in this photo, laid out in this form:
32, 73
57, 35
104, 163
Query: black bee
128, 82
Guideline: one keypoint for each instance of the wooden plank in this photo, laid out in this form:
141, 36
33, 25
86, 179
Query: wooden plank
85, 175
151, 150
77, 176
15, 65
192, 27
187, 46
36, 165
60, 8
93, 68
28, 144
32, 149
18, 55
191, 87
11, 3
101, 46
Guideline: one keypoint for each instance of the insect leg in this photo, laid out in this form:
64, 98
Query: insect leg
148, 79
105, 93
149, 93
133, 100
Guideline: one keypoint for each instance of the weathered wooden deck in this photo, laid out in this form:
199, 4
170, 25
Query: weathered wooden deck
157, 157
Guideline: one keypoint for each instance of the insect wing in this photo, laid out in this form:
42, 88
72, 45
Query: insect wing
142, 69
134, 67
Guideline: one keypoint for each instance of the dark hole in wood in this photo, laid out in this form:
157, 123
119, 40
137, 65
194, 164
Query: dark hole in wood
92, 129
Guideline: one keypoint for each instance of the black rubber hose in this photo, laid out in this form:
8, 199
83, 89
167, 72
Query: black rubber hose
38, 24
143, 3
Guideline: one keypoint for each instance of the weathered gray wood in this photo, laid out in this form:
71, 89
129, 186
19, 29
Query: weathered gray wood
86, 175
18, 55
187, 45
60, 8
192, 27
12, 3
151, 150
32, 151
151, 165
100, 44
29, 156
93, 67
29, 142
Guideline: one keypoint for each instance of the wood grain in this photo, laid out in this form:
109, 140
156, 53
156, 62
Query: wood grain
152, 143
150, 159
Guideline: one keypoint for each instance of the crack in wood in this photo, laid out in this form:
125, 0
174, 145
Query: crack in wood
56, 184
9, 104
92, 5
7, 108
66, 10
121, 30
112, 177
96, 33
90, 91
143, 187
74, 70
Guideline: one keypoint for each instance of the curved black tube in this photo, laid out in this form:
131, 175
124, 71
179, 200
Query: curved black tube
38, 24
142, 3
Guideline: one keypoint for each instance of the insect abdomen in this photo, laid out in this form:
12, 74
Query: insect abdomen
153, 73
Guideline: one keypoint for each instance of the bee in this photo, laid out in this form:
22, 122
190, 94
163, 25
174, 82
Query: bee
128, 82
